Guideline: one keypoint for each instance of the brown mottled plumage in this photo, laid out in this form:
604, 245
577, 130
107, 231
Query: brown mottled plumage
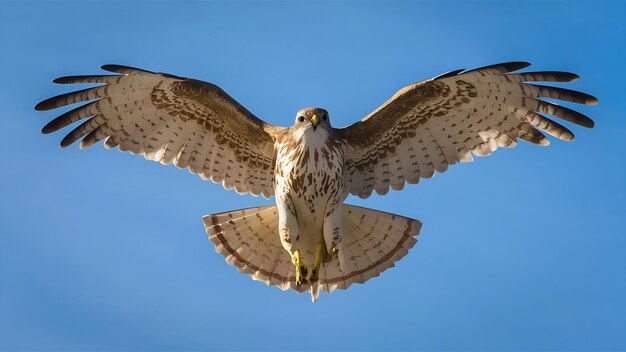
310, 240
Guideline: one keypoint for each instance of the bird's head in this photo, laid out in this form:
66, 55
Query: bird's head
312, 119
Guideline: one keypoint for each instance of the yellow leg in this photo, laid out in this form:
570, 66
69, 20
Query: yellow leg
319, 257
296, 259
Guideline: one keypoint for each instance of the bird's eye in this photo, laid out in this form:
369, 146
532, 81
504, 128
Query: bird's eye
325, 117
301, 118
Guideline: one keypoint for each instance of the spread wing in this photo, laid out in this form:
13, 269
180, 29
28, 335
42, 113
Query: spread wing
427, 126
171, 119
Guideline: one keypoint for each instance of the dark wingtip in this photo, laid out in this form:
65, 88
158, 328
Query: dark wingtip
113, 67
67, 141
122, 69
515, 65
48, 128
584, 121
89, 79
46, 105
61, 80
589, 123
504, 67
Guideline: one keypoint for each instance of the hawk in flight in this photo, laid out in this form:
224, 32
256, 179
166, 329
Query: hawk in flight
310, 240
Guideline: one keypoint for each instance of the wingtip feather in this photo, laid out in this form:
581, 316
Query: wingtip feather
48, 128
90, 79
572, 76
591, 100
514, 65
123, 69
61, 80
590, 124
504, 67
68, 140
44, 105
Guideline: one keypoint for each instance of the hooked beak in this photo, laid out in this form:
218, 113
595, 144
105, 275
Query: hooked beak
314, 121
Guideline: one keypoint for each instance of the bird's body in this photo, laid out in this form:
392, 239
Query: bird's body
310, 240
308, 185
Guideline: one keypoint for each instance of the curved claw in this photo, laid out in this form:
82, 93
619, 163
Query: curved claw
319, 257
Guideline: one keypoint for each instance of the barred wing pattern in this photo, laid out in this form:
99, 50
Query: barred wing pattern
430, 125
171, 119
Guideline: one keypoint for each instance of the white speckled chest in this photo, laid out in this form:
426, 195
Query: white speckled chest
309, 177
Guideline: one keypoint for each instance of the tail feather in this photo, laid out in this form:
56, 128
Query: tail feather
382, 238
372, 242
248, 239
231, 223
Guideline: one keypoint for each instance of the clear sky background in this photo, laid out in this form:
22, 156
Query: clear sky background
102, 250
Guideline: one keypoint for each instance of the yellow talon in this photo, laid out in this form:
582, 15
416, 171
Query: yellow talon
296, 259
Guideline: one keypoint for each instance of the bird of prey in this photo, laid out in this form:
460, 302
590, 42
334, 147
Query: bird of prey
311, 240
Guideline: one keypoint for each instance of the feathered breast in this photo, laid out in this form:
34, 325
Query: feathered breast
310, 169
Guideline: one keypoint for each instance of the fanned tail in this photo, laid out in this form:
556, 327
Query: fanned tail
248, 238
372, 242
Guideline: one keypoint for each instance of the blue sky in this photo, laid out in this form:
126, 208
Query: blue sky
102, 250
